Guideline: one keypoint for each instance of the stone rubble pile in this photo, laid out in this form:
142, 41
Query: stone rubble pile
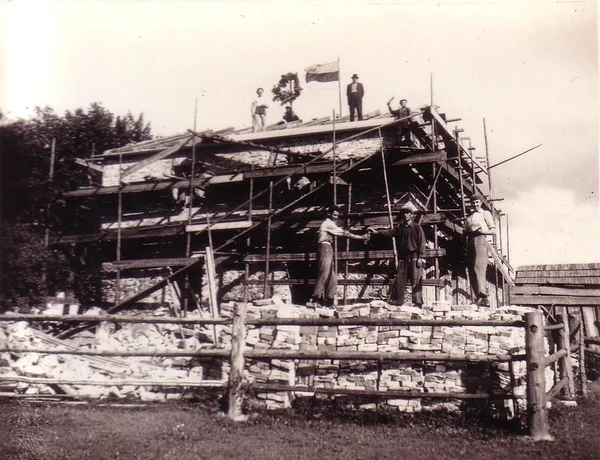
126, 337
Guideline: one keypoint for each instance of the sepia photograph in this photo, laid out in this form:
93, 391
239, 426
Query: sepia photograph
317, 229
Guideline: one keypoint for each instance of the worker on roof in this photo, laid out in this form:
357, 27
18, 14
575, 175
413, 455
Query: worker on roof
326, 284
289, 116
259, 111
478, 225
355, 92
403, 112
410, 244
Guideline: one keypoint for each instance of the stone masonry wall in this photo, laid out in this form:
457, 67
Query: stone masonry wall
421, 377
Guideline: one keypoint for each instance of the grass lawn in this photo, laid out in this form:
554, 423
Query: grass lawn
63, 432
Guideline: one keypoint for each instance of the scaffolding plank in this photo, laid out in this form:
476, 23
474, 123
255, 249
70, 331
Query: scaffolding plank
287, 170
159, 185
341, 282
428, 157
343, 255
219, 226
148, 263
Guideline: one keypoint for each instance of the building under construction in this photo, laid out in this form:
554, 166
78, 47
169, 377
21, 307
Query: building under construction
202, 217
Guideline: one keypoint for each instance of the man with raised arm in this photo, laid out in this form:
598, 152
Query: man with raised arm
403, 127
326, 284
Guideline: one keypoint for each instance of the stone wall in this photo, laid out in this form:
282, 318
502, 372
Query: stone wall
421, 377
157, 170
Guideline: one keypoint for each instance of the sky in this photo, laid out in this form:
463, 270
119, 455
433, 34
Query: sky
530, 68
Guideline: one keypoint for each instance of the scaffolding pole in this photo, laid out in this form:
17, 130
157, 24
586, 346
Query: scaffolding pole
346, 263
333, 152
119, 219
462, 196
266, 293
487, 159
436, 262
388, 199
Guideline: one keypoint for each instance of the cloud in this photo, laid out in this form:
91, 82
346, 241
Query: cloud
550, 226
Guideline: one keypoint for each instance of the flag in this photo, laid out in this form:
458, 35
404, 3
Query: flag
323, 72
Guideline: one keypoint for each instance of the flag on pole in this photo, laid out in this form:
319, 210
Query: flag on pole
323, 72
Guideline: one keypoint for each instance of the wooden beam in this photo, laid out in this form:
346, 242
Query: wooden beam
343, 255
159, 185
126, 234
553, 300
219, 226
89, 164
342, 282
147, 263
429, 157
159, 156
317, 168
440, 121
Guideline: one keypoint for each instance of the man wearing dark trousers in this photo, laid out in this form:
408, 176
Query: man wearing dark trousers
355, 93
410, 243
326, 284
403, 127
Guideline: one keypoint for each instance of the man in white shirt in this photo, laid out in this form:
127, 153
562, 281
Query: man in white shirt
478, 225
326, 284
259, 111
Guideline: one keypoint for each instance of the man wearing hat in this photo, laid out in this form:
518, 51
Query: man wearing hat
410, 244
355, 93
478, 225
403, 112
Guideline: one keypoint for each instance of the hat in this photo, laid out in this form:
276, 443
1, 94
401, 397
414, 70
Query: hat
477, 196
354, 76
407, 207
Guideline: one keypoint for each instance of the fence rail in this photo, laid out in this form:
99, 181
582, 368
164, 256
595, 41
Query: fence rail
535, 357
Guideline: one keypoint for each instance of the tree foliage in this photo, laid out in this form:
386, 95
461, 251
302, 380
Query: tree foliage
288, 89
30, 202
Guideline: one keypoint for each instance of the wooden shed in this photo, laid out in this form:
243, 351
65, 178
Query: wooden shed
574, 286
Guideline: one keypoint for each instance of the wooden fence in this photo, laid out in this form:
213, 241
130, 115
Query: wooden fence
535, 357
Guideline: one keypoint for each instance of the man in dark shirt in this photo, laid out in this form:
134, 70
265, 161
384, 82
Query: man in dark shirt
410, 243
355, 92
403, 127
289, 115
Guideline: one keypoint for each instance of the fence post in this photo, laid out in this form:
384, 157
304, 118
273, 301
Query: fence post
236, 372
564, 342
582, 373
537, 413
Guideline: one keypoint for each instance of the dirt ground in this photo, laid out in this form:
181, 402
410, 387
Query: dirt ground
30, 431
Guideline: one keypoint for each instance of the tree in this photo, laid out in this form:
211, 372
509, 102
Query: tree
288, 89
30, 202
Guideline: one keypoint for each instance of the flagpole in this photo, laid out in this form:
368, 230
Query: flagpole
340, 86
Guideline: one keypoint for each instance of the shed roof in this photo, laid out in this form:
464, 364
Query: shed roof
559, 274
